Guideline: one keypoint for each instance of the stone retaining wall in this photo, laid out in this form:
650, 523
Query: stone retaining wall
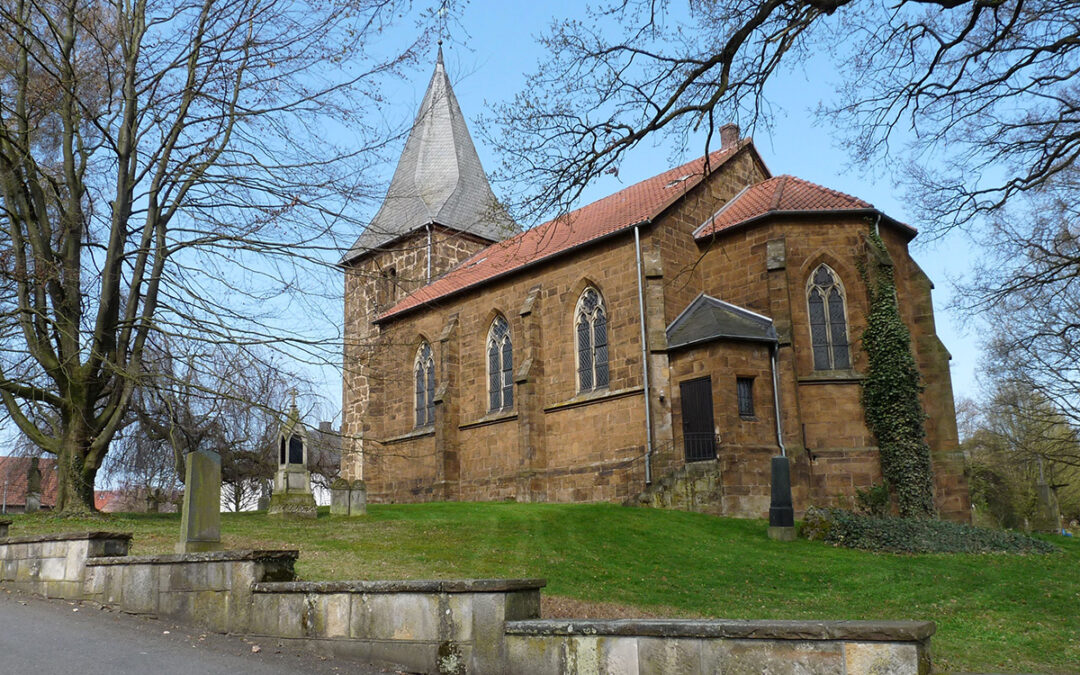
54, 565
457, 627
576, 647
212, 590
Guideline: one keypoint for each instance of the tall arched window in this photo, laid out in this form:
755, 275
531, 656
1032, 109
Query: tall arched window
424, 372
590, 323
828, 322
500, 359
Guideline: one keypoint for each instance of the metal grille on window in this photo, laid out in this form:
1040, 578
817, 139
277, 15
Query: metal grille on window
500, 366
585, 369
507, 373
745, 388
424, 370
592, 341
828, 322
430, 392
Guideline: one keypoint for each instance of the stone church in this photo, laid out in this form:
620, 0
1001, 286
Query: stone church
657, 346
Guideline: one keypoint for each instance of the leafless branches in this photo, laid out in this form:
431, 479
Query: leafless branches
982, 94
168, 167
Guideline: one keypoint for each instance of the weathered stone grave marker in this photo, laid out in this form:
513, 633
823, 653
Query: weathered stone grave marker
200, 524
33, 487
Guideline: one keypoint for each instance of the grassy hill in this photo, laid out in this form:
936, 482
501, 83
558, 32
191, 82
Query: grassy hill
994, 612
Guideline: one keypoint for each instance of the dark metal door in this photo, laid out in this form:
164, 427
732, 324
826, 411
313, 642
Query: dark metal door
699, 439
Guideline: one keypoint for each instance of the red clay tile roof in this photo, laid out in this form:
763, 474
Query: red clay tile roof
779, 194
13, 474
630, 206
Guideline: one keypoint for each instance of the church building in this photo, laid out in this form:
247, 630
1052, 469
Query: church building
657, 346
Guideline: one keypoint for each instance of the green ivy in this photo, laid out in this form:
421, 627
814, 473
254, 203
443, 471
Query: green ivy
890, 394
900, 535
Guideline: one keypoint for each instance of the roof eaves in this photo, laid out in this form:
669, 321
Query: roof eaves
801, 213
770, 340
383, 318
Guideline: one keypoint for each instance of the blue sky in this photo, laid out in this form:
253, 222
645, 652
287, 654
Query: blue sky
492, 45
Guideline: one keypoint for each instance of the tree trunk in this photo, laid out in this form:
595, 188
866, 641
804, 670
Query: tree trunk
75, 478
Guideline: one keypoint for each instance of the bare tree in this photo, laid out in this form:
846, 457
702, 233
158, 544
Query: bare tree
1027, 292
981, 94
153, 155
1022, 458
230, 402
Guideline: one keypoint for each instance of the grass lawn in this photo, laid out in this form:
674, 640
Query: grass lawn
995, 613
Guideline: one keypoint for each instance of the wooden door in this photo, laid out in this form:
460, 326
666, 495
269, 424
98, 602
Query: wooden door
699, 438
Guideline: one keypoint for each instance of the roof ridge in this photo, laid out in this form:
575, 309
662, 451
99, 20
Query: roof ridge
632, 205
832, 191
778, 193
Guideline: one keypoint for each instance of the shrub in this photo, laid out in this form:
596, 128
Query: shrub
911, 535
874, 500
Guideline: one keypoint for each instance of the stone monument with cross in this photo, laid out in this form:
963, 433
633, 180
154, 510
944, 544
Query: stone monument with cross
292, 483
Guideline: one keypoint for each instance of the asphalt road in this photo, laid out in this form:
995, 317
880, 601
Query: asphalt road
47, 637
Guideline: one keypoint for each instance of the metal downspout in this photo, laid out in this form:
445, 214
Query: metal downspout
776, 399
428, 280
644, 359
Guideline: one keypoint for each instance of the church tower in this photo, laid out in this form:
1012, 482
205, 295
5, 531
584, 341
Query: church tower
439, 210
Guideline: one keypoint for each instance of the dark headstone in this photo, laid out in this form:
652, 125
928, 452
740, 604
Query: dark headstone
781, 511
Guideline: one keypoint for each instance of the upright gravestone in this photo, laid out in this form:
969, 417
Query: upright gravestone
200, 524
33, 486
348, 499
292, 482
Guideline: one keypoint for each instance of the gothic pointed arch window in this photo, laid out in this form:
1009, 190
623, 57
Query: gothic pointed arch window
424, 376
591, 340
500, 364
828, 320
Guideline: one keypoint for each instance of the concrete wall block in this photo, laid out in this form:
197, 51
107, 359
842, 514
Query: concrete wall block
187, 577
668, 655
882, 658
139, 589
178, 605
211, 610
8, 569
415, 656
94, 583
531, 654
113, 586
216, 576
68, 590
292, 609
522, 605
333, 612
75, 560
405, 616
264, 613
782, 657
457, 618
53, 569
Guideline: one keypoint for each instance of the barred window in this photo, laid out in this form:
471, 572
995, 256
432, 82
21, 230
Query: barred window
590, 321
828, 322
744, 387
424, 372
500, 359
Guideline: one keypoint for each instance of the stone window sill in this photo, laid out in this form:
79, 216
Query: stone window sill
833, 377
415, 433
591, 397
496, 417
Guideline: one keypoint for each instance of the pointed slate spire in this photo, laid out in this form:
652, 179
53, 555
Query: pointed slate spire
439, 178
